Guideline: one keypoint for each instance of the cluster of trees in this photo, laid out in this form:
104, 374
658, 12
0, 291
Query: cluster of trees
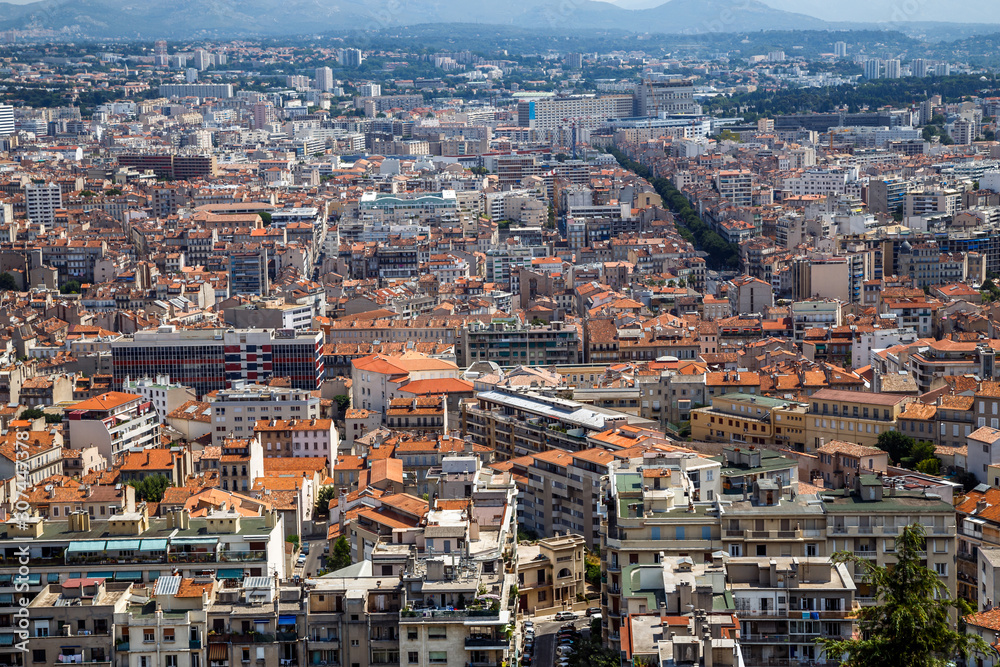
38, 413
871, 94
721, 254
151, 488
909, 453
935, 128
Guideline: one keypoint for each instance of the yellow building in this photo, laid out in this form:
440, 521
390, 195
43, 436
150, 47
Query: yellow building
754, 420
851, 416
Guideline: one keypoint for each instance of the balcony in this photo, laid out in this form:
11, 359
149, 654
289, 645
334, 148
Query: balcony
191, 557
324, 642
486, 643
248, 638
194, 644
410, 615
287, 636
242, 556
866, 554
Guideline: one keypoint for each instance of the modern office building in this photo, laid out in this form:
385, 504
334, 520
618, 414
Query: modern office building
212, 359
223, 90
6, 119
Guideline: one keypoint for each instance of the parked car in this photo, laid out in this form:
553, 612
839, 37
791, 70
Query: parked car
529, 625
566, 616
305, 548
593, 610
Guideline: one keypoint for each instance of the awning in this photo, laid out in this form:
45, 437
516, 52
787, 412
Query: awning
229, 573
6, 578
179, 541
286, 620
7, 639
153, 545
123, 545
218, 651
31, 579
86, 547
52, 578
100, 575
6, 598
128, 576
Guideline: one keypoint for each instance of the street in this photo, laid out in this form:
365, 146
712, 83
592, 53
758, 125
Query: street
314, 561
545, 638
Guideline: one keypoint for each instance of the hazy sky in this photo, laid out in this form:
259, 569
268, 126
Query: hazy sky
973, 11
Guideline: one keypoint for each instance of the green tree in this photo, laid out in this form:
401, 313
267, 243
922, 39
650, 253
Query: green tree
911, 624
265, 218
70, 287
32, 414
293, 539
343, 402
340, 555
921, 451
931, 466
323, 498
895, 444
7, 282
150, 488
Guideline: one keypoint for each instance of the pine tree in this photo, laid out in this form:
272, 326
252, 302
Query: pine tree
911, 624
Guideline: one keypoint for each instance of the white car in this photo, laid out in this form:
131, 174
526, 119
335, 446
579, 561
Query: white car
566, 616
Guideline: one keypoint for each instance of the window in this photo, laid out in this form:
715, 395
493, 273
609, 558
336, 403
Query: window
543, 596
941, 569
413, 657
38, 655
437, 632
355, 642
168, 635
148, 635
437, 657
762, 550
171, 661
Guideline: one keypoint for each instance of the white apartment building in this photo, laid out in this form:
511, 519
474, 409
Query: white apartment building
235, 412
166, 396
42, 200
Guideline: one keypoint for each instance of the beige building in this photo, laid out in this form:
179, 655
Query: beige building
850, 416
550, 573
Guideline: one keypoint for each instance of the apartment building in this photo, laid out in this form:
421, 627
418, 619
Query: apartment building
241, 462
517, 423
377, 380
786, 604
74, 622
588, 111
235, 412
212, 359
550, 573
281, 438
41, 201
509, 343
851, 416
131, 546
166, 396
867, 517
751, 420
651, 513
115, 422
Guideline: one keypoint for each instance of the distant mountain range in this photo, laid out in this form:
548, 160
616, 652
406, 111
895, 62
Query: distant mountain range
183, 19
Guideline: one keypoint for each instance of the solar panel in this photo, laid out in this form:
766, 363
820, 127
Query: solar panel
167, 585
258, 582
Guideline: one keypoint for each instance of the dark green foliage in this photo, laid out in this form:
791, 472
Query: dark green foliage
323, 498
912, 625
340, 555
7, 282
70, 287
721, 255
151, 488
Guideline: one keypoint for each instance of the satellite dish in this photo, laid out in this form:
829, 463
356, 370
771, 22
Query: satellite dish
49, 487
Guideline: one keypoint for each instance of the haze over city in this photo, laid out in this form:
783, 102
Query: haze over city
544, 333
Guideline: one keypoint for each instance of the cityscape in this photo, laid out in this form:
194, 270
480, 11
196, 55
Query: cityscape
577, 334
